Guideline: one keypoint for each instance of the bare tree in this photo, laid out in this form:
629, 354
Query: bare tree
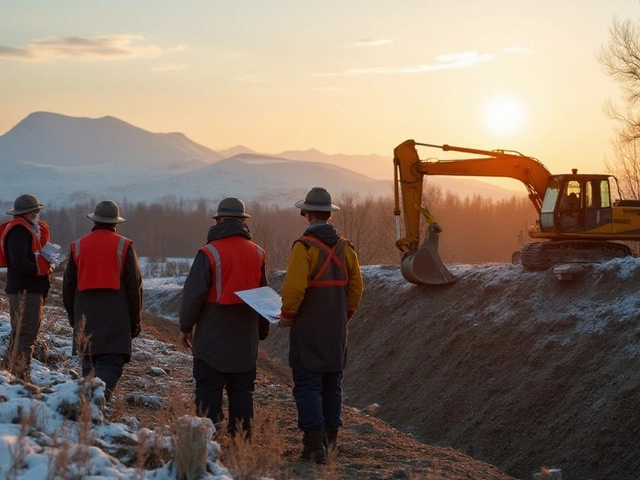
621, 61
354, 220
626, 166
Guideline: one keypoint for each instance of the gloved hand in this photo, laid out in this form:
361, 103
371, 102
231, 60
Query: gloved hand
286, 318
263, 328
135, 330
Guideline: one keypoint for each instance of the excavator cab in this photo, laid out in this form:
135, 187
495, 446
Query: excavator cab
575, 203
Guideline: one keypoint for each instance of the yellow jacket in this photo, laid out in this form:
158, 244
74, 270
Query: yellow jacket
302, 262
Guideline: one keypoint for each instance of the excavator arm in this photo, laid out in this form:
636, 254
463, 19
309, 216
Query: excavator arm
409, 171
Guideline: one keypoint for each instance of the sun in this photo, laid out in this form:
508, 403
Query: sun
504, 114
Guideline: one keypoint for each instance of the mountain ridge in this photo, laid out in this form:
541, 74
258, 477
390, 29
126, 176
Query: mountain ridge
69, 159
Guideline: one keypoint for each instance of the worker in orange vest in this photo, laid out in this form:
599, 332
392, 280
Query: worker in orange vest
102, 293
222, 331
28, 280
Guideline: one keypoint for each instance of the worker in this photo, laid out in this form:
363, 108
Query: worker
571, 202
28, 280
321, 292
227, 331
103, 294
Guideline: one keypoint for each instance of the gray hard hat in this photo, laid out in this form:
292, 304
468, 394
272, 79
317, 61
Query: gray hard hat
25, 204
317, 200
231, 207
106, 211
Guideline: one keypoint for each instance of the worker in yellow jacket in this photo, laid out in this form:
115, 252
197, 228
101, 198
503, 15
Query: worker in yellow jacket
320, 294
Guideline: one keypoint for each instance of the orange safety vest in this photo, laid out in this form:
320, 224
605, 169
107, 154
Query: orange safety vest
44, 268
330, 271
100, 258
236, 264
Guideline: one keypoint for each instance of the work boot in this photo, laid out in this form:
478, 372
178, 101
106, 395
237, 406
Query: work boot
331, 437
314, 448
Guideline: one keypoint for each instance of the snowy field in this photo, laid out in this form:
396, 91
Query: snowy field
55, 428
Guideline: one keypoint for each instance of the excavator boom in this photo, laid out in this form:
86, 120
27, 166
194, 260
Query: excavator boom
409, 172
497, 163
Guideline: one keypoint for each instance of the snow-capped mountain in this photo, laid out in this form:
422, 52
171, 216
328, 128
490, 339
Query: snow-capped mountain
374, 166
65, 160
61, 141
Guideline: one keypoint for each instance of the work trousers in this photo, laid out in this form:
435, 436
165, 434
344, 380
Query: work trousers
25, 310
107, 367
210, 384
318, 397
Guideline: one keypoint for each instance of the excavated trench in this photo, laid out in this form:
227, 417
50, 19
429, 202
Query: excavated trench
514, 368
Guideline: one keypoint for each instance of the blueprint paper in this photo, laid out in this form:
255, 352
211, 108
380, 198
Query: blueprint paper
264, 300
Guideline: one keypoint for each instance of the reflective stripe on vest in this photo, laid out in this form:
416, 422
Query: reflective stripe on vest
236, 264
330, 271
216, 265
100, 257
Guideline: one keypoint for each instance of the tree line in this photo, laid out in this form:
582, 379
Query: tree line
475, 229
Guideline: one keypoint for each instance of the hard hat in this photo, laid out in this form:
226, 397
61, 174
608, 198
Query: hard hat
106, 211
231, 207
25, 204
317, 200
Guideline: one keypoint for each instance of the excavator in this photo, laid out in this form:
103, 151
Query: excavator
578, 221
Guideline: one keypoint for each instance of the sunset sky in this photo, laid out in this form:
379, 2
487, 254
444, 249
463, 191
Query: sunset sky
342, 76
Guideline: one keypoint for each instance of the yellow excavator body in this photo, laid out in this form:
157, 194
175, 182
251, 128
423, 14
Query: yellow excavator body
578, 222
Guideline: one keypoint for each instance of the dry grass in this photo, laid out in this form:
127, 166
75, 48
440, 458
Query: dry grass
190, 447
190, 437
82, 340
255, 456
117, 408
19, 450
82, 455
58, 459
50, 326
152, 452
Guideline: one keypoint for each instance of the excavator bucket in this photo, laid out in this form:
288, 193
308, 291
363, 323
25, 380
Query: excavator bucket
424, 266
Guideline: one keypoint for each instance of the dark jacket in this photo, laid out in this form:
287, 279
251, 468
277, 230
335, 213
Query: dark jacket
22, 271
226, 336
327, 286
112, 316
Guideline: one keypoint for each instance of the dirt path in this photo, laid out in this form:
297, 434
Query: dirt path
369, 448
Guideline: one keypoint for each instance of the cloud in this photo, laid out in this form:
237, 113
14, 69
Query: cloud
168, 66
370, 42
453, 60
104, 47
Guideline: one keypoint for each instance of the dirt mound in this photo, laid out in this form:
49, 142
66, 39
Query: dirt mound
517, 369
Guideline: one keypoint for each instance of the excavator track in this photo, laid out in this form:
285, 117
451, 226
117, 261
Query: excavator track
538, 256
